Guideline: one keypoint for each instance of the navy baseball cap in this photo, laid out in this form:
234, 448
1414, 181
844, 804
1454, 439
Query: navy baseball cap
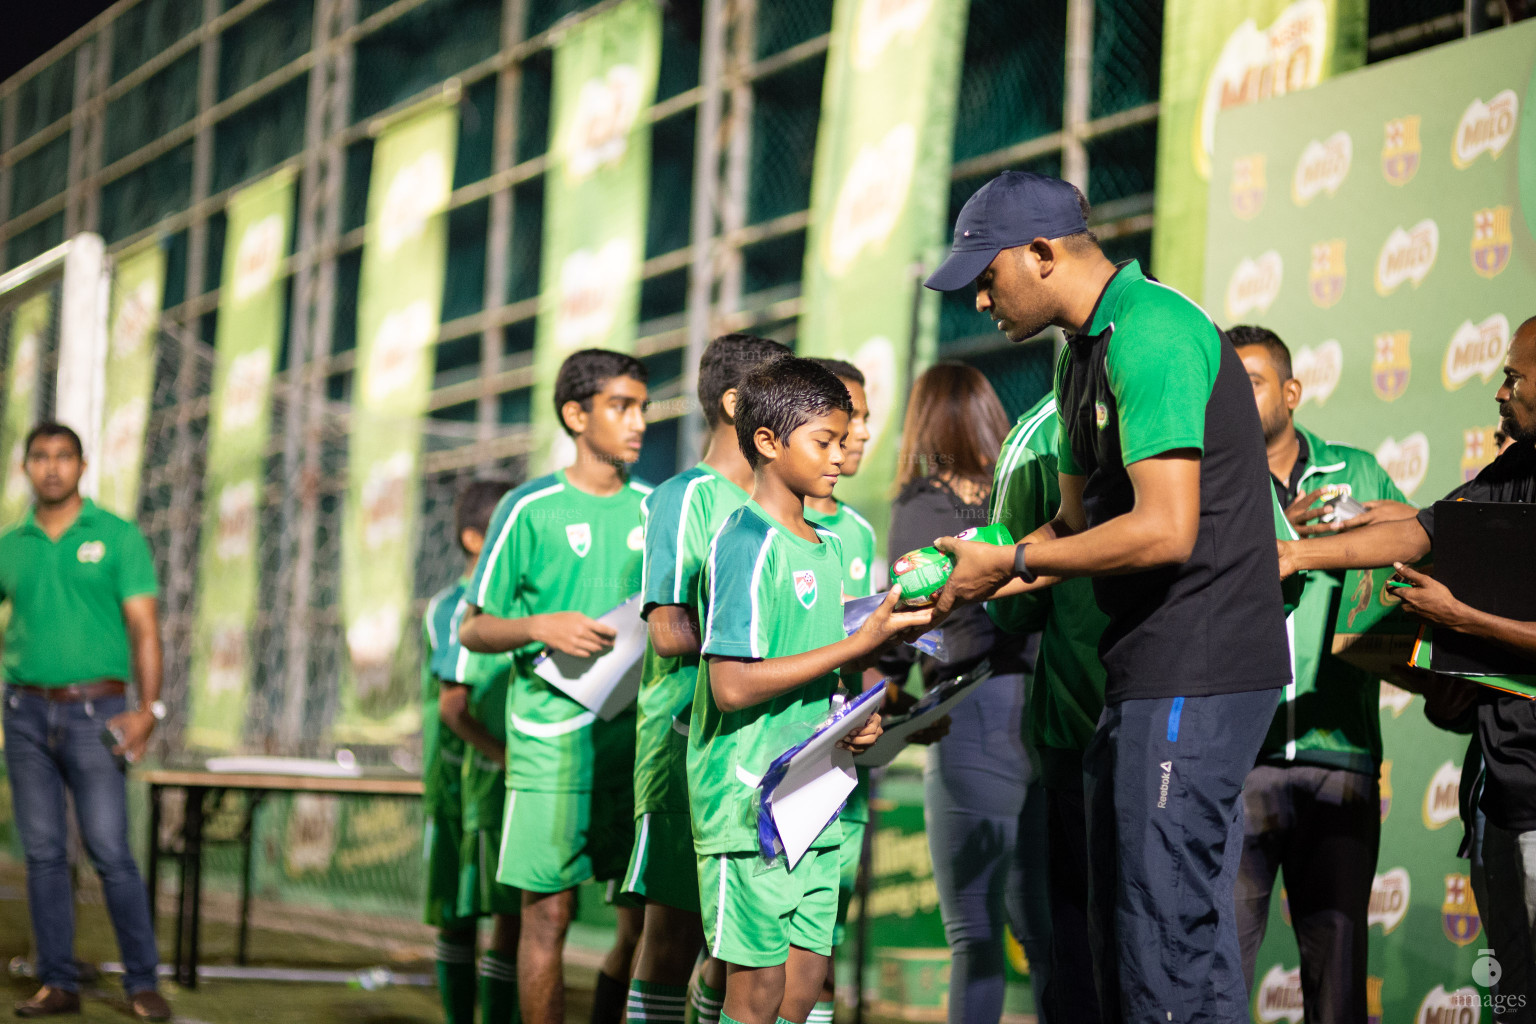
1014, 208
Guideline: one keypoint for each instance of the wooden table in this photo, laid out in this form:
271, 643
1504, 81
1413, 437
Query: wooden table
198, 785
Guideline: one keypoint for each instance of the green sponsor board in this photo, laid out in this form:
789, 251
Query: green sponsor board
1220, 54
400, 297
246, 343
1375, 224
137, 286
23, 376
879, 203
596, 194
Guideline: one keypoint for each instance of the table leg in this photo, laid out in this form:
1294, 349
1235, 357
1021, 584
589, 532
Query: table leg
190, 896
178, 960
254, 799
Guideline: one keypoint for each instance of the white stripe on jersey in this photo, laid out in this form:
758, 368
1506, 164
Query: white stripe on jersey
757, 575
1016, 452
682, 532
501, 537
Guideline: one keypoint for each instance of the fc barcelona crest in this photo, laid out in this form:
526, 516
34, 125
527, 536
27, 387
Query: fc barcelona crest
1491, 240
1391, 365
580, 537
1248, 186
1458, 914
1478, 449
1400, 150
1325, 280
1386, 784
805, 587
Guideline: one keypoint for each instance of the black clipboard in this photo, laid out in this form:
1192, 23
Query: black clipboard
1485, 554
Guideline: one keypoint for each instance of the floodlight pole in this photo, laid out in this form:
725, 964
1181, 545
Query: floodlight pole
1077, 96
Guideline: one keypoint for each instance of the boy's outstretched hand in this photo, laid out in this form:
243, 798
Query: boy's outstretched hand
863, 738
886, 621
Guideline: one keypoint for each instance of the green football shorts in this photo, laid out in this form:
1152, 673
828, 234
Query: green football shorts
442, 839
479, 892
754, 911
662, 867
556, 841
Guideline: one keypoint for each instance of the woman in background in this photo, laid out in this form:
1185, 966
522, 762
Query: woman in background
984, 805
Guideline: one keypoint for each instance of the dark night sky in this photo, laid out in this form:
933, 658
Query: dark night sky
32, 29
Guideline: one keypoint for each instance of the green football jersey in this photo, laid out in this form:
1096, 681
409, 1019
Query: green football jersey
555, 548
442, 752
858, 539
766, 594
680, 517
484, 784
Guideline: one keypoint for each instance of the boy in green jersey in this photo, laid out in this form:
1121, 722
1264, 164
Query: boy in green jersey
471, 702
773, 647
562, 551
681, 516
859, 576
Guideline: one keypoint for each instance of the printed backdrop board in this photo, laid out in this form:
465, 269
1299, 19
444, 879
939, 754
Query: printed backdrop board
1377, 224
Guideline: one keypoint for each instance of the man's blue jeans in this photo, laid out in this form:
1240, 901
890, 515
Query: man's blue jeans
49, 746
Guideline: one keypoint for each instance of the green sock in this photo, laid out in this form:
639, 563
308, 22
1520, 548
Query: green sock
727, 1019
705, 1005
498, 989
781, 1020
821, 1013
653, 1002
456, 980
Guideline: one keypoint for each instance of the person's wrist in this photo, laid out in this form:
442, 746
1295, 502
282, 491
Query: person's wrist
1020, 564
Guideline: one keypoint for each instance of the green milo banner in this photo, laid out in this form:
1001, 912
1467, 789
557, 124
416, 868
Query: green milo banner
400, 298
879, 199
1382, 225
596, 194
29, 328
1220, 54
137, 286
246, 343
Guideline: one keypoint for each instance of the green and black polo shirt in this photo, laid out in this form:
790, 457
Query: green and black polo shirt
1152, 374
67, 597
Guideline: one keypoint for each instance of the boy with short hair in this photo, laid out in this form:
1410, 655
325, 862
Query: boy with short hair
471, 702
681, 516
773, 646
563, 550
859, 579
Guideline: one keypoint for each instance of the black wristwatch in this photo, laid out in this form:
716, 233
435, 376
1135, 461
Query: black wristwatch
1019, 568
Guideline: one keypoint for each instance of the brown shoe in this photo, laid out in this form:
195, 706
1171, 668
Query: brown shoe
150, 1005
48, 1002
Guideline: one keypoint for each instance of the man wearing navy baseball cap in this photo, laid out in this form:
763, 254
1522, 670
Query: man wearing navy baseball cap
1165, 501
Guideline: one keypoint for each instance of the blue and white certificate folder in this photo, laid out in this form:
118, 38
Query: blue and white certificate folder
805, 787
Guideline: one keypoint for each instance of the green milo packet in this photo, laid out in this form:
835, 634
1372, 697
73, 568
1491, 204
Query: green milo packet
923, 573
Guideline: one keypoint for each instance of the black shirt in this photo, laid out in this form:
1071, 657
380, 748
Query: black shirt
1151, 374
1506, 724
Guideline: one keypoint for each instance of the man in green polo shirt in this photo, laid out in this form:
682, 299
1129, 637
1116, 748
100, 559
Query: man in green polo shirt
1312, 806
81, 585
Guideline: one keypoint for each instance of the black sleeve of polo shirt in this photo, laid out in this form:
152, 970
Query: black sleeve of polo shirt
1506, 478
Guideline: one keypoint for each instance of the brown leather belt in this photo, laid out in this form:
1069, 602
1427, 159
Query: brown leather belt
74, 692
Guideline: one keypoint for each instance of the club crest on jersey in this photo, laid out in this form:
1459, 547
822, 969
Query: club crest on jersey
1100, 415
805, 587
1478, 449
1400, 150
1325, 280
580, 537
1458, 914
1386, 787
1492, 241
1391, 365
858, 570
91, 551
1248, 186
636, 539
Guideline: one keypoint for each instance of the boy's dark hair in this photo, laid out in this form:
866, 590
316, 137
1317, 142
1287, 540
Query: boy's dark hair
1245, 335
725, 361
843, 368
584, 373
783, 395
51, 428
475, 506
